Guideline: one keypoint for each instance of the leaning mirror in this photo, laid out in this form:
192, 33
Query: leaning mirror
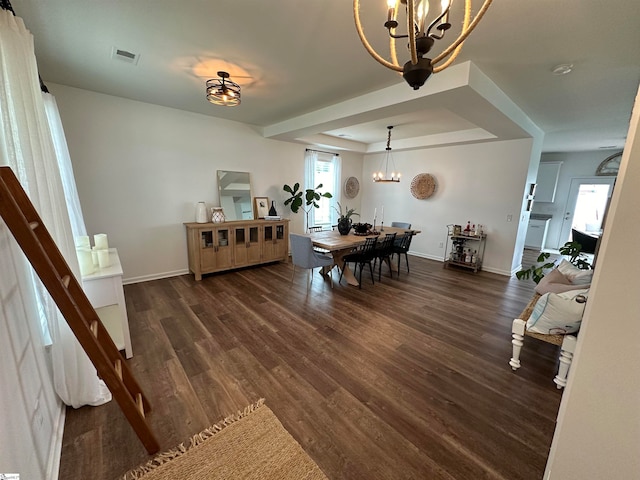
235, 195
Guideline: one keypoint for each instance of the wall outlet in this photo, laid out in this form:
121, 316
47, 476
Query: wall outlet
441, 245
509, 218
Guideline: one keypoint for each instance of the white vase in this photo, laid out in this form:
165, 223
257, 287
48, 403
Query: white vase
217, 215
201, 213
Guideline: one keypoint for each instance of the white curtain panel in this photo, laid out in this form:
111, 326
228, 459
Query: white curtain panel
310, 158
337, 184
27, 147
65, 167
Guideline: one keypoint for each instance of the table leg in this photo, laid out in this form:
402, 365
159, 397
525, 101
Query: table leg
338, 259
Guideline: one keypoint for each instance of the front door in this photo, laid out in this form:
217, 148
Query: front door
586, 204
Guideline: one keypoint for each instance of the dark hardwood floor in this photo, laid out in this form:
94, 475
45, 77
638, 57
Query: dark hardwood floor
404, 379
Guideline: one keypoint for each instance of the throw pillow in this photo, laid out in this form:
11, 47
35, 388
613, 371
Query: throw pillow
558, 313
555, 282
574, 274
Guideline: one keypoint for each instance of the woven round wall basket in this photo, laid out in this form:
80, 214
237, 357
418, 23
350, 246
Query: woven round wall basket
423, 186
351, 187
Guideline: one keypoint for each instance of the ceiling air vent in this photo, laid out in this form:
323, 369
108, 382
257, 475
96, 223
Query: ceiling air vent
125, 56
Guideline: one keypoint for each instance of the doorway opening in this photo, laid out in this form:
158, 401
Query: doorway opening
586, 206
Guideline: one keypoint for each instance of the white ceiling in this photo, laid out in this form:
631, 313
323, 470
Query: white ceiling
295, 57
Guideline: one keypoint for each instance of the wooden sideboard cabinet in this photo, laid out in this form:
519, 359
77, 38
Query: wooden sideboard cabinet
215, 247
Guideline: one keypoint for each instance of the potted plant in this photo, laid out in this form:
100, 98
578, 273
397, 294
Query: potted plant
311, 198
344, 219
536, 272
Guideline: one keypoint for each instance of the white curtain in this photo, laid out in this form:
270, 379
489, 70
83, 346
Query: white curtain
65, 167
27, 147
337, 187
310, 158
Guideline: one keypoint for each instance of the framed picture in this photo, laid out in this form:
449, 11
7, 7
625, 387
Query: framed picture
260, 207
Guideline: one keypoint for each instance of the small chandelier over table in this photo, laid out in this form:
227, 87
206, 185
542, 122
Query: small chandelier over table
421, 35
222, 91
388, 158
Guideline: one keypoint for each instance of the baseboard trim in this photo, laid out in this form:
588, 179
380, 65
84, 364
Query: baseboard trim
55, 452
506, 273
154, 276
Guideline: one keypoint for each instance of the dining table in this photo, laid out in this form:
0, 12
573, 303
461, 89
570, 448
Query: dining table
340, 245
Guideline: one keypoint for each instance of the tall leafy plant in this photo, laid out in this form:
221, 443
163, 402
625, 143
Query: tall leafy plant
571, 250
305, 199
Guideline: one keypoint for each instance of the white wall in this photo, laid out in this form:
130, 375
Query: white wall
482, 183
598, 431
574, 164
140, 170
31, 414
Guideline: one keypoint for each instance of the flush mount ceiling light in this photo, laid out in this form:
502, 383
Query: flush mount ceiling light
423, 29
395, 175
221, 91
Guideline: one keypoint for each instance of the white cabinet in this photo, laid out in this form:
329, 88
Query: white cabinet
536, 234
548, 173
104, 290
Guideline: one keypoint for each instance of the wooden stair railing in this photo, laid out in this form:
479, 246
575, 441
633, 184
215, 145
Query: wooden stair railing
35, 241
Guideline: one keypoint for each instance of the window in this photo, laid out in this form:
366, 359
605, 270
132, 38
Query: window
323, 168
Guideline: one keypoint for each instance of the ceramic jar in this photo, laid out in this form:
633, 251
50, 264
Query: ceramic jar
201, 212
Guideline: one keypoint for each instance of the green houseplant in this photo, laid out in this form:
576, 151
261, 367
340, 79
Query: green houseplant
572, 250
344, 219
305, 199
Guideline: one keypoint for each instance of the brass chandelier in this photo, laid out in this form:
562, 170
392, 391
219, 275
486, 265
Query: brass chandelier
421, 36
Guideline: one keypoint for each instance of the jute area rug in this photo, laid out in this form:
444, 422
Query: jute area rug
249, 445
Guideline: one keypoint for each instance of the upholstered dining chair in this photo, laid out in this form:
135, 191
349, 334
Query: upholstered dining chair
404, 225
401, 246
303, 256
364, 254
383, 252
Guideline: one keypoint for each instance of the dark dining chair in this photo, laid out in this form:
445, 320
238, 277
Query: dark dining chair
405, 225
401, 247
587, 241
315, 229
364, 254
383, 252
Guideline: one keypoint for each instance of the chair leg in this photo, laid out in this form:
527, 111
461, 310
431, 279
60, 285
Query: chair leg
406, 257
566, 357
517, 329
373, 282
344, 264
